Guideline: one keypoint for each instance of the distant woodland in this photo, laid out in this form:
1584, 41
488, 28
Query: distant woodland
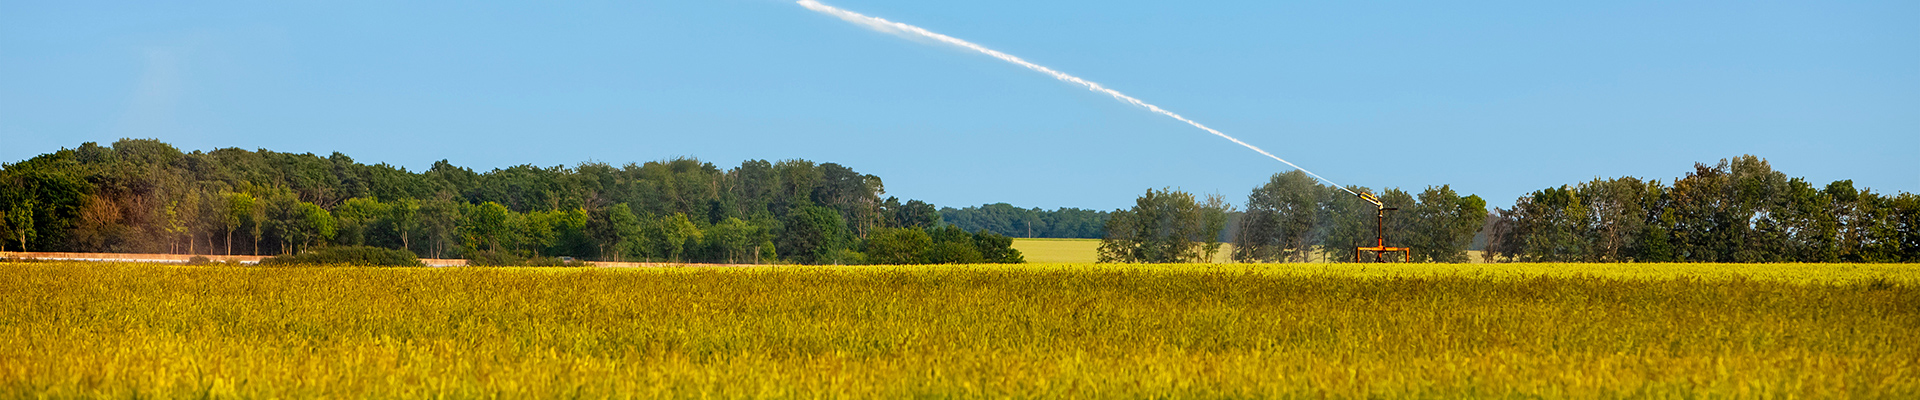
1292, 218
1738, 210
1007, 220
145, 196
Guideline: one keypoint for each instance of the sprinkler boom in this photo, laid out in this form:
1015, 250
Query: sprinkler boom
1380, 248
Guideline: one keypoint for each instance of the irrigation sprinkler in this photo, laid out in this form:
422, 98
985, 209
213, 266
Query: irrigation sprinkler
1380, 248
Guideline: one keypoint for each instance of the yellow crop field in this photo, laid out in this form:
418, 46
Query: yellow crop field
1006, 331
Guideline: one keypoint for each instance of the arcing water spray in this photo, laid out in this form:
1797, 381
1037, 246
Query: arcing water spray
911, 31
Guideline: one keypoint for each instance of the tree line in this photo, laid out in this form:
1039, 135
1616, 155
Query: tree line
1738, 210
145, 196
1292, 218
1007, 220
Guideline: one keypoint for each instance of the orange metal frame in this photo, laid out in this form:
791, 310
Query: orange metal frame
1380, 248
1405, 253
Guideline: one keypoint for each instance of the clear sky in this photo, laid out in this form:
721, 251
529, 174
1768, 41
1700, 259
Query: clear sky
1494, 98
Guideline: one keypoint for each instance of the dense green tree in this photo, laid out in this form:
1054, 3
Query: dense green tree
912, 214
736, 241
1164, 226
669, 237
440, 220
952, 245
954, 253
1905, 221
1281, 220
487, 227
1444, 224
403, 215
615, 231
1007, 220
355, 217
812, 234
898, 246
256, 220
317, 225
19, 222
994, 248
1550, 226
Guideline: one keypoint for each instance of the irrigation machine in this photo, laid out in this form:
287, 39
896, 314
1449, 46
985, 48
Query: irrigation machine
1380, 250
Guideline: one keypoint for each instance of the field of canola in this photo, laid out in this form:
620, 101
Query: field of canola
1046, 330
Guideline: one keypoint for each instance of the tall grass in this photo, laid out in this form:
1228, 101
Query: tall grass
129, 330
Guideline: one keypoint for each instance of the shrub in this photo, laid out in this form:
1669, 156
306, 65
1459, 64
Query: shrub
954, 253
494, 259
898, 246
366, 256
503, 259
199, 260
555, 262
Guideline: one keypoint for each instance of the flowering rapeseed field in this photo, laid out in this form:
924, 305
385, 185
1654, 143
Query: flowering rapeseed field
1049, 330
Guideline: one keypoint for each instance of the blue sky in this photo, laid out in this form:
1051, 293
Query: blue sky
1494, 98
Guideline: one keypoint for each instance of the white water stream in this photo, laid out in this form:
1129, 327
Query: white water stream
911, 31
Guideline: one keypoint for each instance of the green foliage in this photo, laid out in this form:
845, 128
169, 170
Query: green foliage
912, 214
736, 241
954, 252
441, 220
669, 237
617, 232
487, 258
488, 227
996, 249
940, 245
1010, 221
365, 256
898, 246
812, 235
1444, 224
18, 223
1164, 226
1293, 215
146, 196
355, 217
509, 259
1739, 210
1282, 219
